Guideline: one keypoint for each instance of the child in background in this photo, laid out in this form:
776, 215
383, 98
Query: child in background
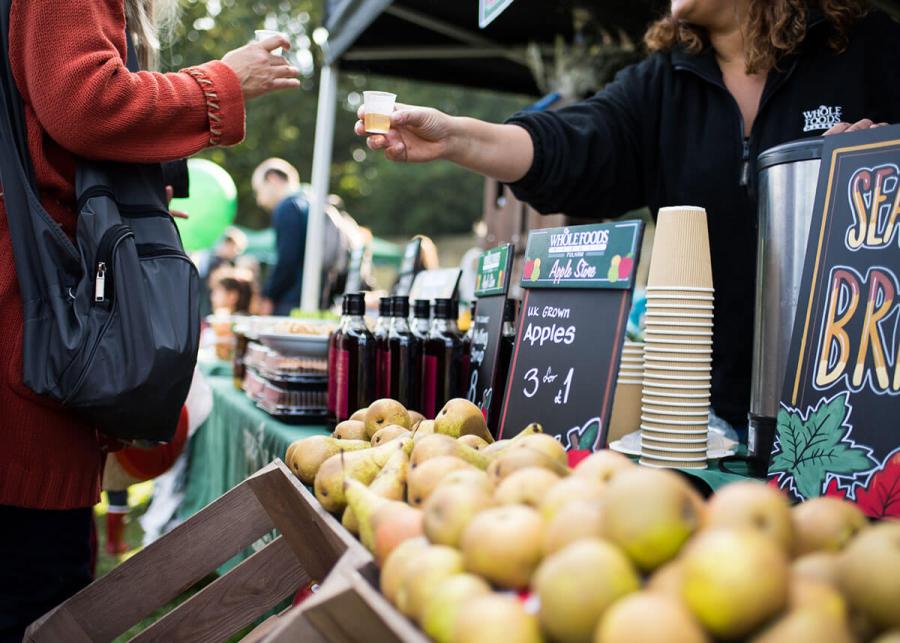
231, 295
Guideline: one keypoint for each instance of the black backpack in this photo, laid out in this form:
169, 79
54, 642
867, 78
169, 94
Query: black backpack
112, 320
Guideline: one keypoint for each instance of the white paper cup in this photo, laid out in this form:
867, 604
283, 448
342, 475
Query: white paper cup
694, 351
664, 306
379, 107
691, 289
675, 402
631, 360
675, 413
678, 314
670, 421
677, 366
663, 295
675, 323
668, 430
652, 384
667, 437
630, 380
262, 34
700, 395
677, 376
680, 332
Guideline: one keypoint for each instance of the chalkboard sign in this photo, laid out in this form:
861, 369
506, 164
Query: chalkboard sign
578, 283
409, 266
441, 283
491, 286
837, 430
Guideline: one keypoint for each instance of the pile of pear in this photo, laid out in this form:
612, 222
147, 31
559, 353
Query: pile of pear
484, 541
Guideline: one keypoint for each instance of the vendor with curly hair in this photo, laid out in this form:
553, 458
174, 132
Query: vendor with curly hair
725, 80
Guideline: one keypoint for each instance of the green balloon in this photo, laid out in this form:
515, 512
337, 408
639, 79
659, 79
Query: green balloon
211, 206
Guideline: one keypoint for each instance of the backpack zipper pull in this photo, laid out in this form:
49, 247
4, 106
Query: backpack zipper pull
100, 283
745, 163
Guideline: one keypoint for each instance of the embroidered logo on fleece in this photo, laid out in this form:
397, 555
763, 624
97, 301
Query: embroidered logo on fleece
822, 118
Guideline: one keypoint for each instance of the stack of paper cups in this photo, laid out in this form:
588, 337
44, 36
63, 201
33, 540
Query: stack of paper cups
626, 409
678, 342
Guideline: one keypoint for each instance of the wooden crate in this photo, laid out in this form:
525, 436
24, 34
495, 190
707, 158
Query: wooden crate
310, 545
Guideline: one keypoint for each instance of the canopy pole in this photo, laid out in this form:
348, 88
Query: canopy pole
321, 170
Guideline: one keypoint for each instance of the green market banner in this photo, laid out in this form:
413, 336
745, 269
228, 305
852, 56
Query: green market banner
838, 429
578, 284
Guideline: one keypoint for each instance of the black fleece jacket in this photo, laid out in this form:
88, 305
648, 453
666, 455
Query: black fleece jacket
667, 132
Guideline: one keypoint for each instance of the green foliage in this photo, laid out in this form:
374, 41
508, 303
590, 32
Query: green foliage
392, 199
809, 449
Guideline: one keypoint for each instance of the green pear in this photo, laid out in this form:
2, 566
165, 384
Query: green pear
428, 567
450, 508
390, 483
503, 545
754, 505
473, 441
388, 433
512, 459
350, 430
733, 580
361, 465
304, 457
443, 606
669, 622
382, 413
460, 417
526, 486
577, 584
424, 479
395, 566
825, 524
436, 445
489, 618
869, 574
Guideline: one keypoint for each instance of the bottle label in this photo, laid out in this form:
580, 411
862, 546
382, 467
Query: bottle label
342, 384
332, 379
429, 392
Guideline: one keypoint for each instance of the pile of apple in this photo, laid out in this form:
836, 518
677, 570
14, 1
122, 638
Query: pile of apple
483, 541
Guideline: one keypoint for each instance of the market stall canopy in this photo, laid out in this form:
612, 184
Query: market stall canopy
441, 41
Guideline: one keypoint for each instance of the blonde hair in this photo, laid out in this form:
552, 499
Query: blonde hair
772, 29
150, 22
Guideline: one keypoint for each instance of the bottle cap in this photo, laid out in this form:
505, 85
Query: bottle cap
446, 308
356, 304
384, 307
422, 309
400, 306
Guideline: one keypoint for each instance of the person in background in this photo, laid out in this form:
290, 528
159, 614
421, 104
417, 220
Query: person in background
231, 294
81, 101
724, 81
226, 253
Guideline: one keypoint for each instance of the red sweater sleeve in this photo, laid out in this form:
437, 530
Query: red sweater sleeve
68, 60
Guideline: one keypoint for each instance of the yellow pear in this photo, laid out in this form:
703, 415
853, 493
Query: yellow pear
892, 636
388, 433
305, 457
754, 505
396, 565
869, 574
449, 510
427, 568
390, 483
644, 617
734, 580
361, 465
668, 579
359, 415
815, 595
503, 544
493, 618
496, 447
511, 460
649, 513
803, 625
825, 524
382, 413
577, 584
471, 476
576, 520
602, 466
392, 525
350, 430
425, 478
569, 490
473, 441
546, 444
460, 417
821, 566
414, 418
526, 486
443, 606
433, 446
364, 503
423, 429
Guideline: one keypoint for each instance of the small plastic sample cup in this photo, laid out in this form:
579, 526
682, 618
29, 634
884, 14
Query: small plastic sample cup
263, 34
379, 107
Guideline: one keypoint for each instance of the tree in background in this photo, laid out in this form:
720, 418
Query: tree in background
392, 199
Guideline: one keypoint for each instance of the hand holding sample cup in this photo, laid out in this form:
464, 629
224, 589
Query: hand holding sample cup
260, 69
406, 133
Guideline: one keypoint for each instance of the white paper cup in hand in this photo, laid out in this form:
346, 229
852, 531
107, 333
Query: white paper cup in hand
263, 34
379, 107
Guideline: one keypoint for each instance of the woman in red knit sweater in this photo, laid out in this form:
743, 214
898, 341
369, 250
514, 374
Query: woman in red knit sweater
68, 60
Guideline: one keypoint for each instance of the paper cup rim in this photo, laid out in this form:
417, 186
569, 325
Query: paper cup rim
701, 440
677, 324
686, 447
652, 392
661, 410
653, 400
378, 94
683, 351
667, 459
679, 315
699, 387
660, 374
644, 427
681, 288
698, 296
668, 422
696, 306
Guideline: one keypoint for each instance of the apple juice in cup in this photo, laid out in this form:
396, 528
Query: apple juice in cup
379, 107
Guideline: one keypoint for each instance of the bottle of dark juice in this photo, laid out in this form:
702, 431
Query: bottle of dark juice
442, 358
332, 365
405, 361
355, 365
382, 325
421, 320
504, 357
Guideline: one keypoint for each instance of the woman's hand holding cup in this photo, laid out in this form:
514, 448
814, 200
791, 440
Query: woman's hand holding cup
260, 71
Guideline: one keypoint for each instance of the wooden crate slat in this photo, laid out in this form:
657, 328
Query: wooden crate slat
164, 569
219, 610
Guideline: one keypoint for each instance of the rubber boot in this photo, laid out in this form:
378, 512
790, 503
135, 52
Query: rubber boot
115, 532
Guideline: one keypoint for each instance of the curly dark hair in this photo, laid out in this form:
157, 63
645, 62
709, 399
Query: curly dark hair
772, 29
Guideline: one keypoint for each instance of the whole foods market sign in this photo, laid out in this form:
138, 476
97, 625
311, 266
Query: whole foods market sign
490, 9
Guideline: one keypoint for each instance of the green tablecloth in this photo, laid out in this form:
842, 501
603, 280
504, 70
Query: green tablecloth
236, 440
